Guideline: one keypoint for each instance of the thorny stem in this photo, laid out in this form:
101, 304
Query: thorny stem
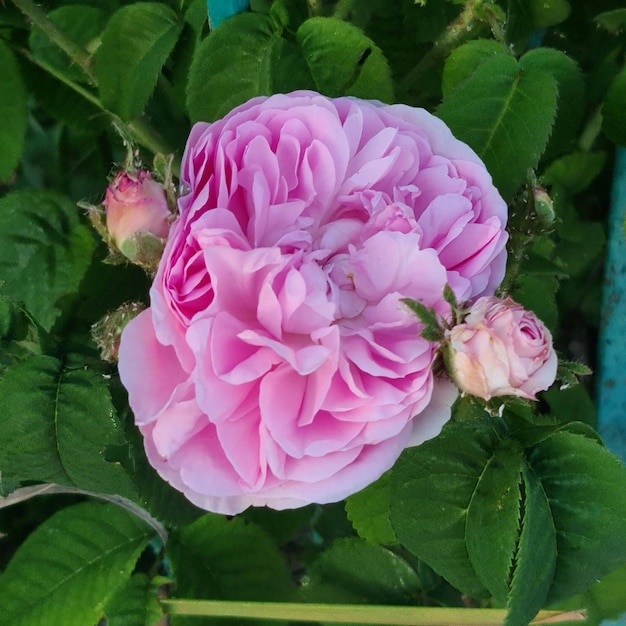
39, 18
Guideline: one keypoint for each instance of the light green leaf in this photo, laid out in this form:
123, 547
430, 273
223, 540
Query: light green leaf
614, 111
136, 603
56, 423
493, 519
584, 484
244, 57
431, 492
68, 568
12, 112
506, 115
575, 172
344, 61
364, 573
614, 21
135, 45
547, 13
368, 510
44, 251
535, 558
232, 560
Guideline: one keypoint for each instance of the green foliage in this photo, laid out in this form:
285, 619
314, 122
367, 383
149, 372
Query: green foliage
62, 428
613, 114
42, 237
12, 112
506, 114
524, 520
135, 603
70, 567
135, 45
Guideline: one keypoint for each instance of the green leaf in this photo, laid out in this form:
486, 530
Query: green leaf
537, 293
535, 558
56, 423
364, 573
81, 24
228, 559
506, 115
432, 330
547, 13
135, 45
576, 171
614, 112
584, 484
136, 603
368, 510
344, 61
493, 518
244, 57
69, 567
431, 491
614, 21
464, 60
12, 112
571, 95
44, 251
571, 404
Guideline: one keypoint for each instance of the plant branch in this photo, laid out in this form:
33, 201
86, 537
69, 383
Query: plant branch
357, 614
39, 18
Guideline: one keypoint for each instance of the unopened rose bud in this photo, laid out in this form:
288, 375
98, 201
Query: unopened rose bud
500, 349
107, 332
544, 207
137, 216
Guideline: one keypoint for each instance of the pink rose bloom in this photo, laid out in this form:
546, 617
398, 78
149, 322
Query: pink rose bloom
134, 204
501, 350
276, 365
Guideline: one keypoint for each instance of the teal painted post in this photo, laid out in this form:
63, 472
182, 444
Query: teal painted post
611, 390
219, 10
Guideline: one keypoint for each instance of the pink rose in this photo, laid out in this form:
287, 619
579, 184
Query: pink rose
135, 204
501, 350
276, 365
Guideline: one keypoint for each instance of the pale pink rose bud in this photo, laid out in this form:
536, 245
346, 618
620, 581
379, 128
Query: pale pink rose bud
501, 349
137, 214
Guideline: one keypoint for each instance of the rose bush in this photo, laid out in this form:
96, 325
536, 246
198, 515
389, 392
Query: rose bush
501, 349
276, 365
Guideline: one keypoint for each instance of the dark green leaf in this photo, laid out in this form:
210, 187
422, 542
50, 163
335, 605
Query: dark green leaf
136, 603
571, 404
44, 251
427, 316
537, 293
244, 57
364, 573
368, 510
576, 171
506, 115
614, 21
227, 559
70, 566
584, 484
464, 60
614, 111
136, 43
549, 12
344, 61
55, 426
431, 491
12, 113
535, 558
493, 519
571, 95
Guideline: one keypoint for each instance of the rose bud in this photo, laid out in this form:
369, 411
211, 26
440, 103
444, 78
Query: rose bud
137, 216
501, 349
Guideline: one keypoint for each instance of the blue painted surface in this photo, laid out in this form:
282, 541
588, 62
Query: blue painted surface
219, 10
611, 390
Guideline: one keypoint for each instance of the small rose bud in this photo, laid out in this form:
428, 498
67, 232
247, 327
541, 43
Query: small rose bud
137, 216
500, 349
544, 207
108, 331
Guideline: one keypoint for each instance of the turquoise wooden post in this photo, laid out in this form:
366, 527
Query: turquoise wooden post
611, 390
219, 10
